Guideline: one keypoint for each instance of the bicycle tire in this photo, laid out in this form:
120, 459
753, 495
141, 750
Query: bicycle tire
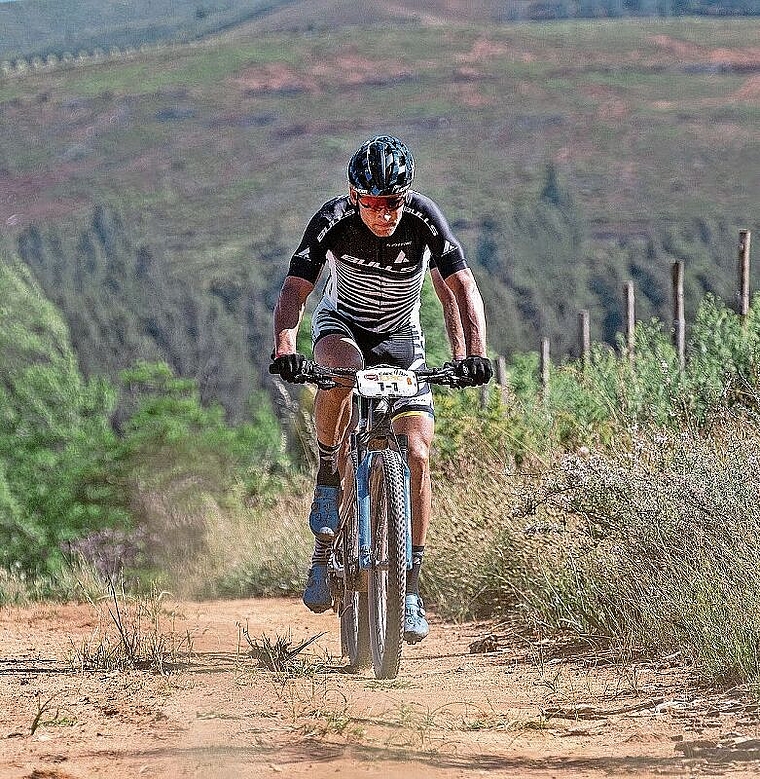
387, 576
354, 617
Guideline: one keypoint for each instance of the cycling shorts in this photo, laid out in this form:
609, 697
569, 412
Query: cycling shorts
403, 349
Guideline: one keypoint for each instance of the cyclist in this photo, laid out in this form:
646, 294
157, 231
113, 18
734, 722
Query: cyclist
377, 243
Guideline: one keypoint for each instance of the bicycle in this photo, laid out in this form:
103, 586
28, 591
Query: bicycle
372, 546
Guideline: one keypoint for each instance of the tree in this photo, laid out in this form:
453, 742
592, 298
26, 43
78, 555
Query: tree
55, 437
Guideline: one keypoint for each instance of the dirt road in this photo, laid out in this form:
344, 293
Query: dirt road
527, 709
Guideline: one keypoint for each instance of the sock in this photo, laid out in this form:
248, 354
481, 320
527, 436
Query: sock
413, 576
328, 475
321, 552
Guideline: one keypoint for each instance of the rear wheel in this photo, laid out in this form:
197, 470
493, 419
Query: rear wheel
354, 619
387, 576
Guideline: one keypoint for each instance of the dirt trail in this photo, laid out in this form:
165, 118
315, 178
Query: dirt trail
528, 709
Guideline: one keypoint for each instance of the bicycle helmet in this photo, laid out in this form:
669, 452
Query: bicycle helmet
381, 166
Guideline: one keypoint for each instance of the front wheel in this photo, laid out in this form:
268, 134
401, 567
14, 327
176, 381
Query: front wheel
354, 619
387, 576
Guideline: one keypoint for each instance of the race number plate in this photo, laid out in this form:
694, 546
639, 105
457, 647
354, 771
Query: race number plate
386, 383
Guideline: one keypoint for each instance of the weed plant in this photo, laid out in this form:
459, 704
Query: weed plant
78, 581
262, 551
660, 546
131, 634
282, 655
651, 543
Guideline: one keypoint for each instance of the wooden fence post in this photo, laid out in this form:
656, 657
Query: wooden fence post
501, 371
679, 318
630, 319
485, 393
584, 336
545, 365
745, 237
501, 377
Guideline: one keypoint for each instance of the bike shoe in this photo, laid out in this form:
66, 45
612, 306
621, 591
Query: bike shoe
317, 596
415, 624
323, 519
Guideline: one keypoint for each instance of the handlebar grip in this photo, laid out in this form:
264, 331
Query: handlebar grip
315, 374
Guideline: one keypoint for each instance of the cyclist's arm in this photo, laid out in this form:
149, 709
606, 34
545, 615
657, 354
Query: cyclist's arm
451, 318
288, 313
471, 312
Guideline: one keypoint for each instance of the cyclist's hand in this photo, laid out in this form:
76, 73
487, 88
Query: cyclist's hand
289, 366
477, 370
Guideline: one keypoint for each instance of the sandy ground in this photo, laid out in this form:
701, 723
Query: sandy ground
527, 708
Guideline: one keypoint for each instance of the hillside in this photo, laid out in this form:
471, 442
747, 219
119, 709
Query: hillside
41, 28
51, 29
569, 157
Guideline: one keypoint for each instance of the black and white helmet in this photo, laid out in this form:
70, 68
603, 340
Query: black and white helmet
381, 166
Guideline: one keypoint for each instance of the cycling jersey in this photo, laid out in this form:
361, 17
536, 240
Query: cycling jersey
375, 283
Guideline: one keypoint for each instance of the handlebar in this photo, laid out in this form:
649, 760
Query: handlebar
326, 378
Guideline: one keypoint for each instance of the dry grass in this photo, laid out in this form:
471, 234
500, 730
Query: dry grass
651, 543
131, 633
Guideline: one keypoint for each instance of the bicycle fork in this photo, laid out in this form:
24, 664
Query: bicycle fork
363, 499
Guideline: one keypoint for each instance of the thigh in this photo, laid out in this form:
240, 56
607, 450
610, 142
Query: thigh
338, 351
334, 343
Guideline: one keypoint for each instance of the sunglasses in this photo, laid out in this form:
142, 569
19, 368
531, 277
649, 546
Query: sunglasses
379, 204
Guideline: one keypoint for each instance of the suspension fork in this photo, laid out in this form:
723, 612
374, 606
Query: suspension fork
363, 499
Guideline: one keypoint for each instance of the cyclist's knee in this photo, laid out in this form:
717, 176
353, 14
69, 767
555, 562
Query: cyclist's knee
418, 450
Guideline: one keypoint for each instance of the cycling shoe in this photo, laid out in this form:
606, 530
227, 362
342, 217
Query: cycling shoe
415, 624
323, 519
317, 596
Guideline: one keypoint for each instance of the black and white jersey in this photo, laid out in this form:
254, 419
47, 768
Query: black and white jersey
375, 282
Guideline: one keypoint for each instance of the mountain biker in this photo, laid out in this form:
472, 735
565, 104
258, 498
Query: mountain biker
377, 242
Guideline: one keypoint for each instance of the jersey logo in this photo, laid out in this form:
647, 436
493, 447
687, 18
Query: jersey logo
448, 247
424, 219
304, 254
351, 260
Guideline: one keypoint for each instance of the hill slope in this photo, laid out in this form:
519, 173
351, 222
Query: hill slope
44, 27
41, 28
568, 157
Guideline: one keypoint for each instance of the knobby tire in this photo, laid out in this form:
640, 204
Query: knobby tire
387, 576
354, 618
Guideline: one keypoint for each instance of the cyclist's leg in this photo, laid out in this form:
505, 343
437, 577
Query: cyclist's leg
418, 427
334, 347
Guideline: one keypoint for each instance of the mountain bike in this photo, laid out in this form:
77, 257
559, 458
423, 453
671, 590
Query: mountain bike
372, 547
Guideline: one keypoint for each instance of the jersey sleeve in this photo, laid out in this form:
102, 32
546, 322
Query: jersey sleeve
309, 257
446, 252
